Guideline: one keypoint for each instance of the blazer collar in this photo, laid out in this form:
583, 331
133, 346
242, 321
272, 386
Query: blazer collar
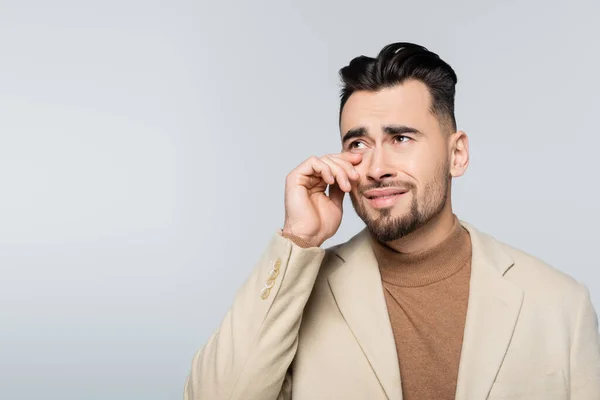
358, 292
493, 308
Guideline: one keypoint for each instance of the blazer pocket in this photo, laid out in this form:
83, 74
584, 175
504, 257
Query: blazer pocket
548, 387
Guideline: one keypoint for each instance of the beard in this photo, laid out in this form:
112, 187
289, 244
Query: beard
424, 206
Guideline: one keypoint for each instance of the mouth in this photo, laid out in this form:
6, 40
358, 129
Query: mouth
382, 198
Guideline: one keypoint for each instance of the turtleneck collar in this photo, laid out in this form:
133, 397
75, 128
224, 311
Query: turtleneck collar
425, 267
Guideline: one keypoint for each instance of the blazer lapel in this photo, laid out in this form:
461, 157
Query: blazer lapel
493, 310
358, 292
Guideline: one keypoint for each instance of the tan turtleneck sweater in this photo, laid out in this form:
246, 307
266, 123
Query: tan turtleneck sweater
426, 295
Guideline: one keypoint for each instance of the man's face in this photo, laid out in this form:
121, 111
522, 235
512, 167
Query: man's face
405, 167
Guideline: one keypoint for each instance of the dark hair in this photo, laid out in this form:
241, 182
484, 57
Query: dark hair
396, 63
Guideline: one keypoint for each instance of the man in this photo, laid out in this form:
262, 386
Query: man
419, 305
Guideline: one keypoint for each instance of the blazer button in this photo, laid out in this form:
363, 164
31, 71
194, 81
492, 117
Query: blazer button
270, 283
273, 274
276, 264
264, 293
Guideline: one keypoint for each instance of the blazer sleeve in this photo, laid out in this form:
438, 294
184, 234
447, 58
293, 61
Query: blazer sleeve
585, 351
249, 355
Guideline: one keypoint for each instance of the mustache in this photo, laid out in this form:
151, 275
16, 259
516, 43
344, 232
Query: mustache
382, 185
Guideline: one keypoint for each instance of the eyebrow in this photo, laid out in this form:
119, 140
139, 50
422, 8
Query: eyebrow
389, 129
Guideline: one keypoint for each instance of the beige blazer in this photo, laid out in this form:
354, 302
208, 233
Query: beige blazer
322, 330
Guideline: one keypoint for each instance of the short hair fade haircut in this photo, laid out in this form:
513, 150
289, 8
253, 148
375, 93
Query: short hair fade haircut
396, 63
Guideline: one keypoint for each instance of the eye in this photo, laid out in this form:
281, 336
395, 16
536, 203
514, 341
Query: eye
354, 145
402, 138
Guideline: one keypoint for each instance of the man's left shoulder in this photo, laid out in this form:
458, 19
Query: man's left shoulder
537, 277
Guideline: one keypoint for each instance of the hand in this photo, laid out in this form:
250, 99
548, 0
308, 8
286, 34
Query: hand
310, 213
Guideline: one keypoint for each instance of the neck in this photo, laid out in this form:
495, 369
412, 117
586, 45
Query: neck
428, 235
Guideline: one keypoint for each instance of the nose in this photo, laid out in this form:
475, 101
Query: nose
378, 166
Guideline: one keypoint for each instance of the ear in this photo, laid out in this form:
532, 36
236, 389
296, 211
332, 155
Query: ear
459, 157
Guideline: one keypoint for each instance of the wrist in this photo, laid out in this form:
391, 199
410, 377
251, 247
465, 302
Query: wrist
298, 240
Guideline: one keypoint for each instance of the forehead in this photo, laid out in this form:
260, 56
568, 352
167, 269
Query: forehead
404, 104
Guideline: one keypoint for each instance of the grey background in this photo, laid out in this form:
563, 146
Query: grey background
144, 147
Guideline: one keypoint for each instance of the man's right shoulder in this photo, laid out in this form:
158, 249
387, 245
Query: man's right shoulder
332, 261
337, 255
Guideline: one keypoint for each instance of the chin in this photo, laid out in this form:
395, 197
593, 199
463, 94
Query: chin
393, 211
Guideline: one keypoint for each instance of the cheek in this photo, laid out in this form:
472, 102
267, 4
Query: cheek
423, 165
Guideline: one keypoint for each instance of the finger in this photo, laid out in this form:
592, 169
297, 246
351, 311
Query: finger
353, 174
353, 158
336, 195
315, 167
341, 176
